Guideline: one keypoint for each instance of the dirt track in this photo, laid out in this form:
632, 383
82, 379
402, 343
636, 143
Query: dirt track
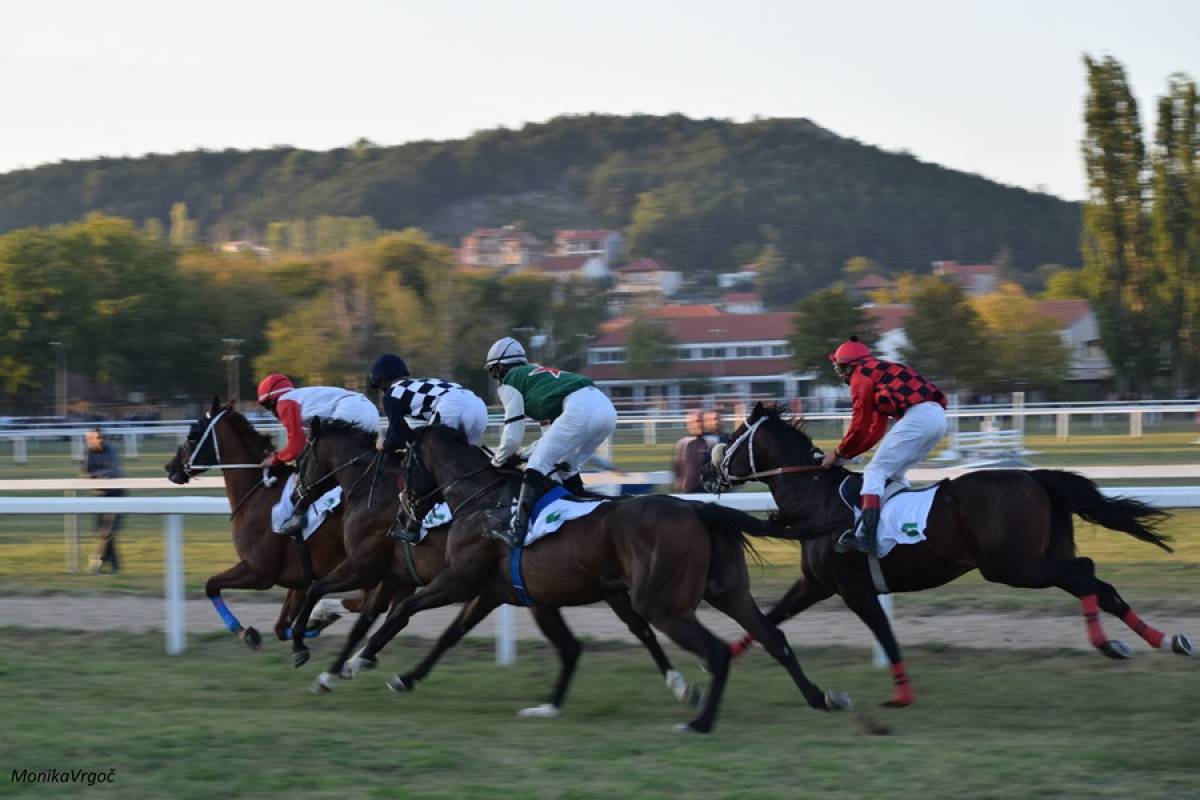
817, 627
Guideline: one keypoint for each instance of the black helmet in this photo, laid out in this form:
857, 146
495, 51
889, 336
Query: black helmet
387, 368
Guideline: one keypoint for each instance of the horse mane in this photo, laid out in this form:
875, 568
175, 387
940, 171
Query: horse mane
452, 435
781, 412
247, 429
356, 433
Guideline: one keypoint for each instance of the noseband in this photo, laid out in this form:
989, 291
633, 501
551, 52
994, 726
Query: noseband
726, 480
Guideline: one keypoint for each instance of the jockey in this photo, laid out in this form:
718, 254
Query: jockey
296, 408
879, 390
414, 402
581, 417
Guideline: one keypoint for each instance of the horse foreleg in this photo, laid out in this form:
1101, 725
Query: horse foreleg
341, 579
688, 633
287, 612
468, 617
443, 590
551, 623
1113, 603
860, 596
376, 602
804, 593
684, 692
239, 576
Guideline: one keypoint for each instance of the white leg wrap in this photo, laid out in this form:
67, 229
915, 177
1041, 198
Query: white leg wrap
677, 684
326, 608
544, 711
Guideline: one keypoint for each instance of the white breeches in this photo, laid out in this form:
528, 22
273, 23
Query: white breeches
588, 419
908, 442
465, 411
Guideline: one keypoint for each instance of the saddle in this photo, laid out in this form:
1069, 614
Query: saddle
851, 490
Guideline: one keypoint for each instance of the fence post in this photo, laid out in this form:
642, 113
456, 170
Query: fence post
649, 432
131, 445
506, 641
76, 448
71, 537
20, 454
1018, 404
880, 656
175, 622
1135, 424
1063, 426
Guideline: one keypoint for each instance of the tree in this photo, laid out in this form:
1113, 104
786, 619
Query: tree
946, 339
650, 350
1026, 348
1175, 226
859, 266
183, 229
1066, 284
1115, 243
824, 320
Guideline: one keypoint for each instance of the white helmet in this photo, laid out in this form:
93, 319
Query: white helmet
505, 351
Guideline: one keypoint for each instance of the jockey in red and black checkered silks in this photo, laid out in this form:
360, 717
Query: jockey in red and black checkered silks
879, 391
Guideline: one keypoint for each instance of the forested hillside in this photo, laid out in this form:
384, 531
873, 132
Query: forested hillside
703, 194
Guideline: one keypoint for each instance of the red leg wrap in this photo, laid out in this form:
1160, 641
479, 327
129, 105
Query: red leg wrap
1091, 615
741, 645
1153, 636
904, 693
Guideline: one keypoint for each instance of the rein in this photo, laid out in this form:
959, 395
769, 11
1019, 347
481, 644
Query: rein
209, 431
747, 438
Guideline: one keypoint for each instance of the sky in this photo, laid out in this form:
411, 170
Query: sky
994, 88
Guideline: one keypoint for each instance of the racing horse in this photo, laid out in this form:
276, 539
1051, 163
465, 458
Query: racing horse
667, 554
225, 439
397, 569
1014, 526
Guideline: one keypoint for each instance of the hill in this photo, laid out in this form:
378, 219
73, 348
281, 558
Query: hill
704, 194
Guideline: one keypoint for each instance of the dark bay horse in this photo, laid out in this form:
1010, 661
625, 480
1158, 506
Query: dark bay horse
667, 554
371, 503
1014, 526
266, 559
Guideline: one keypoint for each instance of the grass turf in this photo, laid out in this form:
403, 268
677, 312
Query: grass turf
219, 721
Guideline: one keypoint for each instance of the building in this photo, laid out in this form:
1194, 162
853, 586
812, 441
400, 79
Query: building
604, 243
742, 303
743, 279
716, 354
499, 248
862, 288
975, 279
647, 277
592, 267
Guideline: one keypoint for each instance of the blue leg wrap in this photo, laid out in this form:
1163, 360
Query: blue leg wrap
231, 622
309, 634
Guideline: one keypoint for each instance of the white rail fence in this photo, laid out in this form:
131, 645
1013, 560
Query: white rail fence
173, 508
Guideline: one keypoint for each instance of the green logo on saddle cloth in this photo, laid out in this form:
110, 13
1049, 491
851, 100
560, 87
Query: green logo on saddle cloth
910, 529
553, 517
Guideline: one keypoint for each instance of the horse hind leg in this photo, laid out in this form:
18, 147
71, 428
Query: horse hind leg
1112, 603
803, 594
688, 633
742, 608
860, 597
684, 692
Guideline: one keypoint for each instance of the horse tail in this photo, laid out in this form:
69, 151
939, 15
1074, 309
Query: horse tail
749, 524
731, 525
1081, 496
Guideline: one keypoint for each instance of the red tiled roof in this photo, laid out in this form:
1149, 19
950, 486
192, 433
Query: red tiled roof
874, 282
645, 265
664, 312
571, 236
716, 368
955, 268
561, 263
742, 297
1065, 311
714, 329
889, 317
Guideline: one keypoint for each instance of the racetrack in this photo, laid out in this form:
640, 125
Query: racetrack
829, 625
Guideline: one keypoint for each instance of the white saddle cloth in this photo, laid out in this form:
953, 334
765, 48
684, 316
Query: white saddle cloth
903, 518
556, 514
318, 512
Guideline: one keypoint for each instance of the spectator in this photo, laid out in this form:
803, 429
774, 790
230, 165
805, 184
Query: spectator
690, 454
712, 428
102, 462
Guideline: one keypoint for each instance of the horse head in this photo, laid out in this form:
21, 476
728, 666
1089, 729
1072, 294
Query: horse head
764, 443
220, 433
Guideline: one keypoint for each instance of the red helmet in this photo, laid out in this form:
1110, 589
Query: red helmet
274, 385
849, 351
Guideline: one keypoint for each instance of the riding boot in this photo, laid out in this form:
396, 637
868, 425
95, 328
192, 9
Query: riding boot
533, 486
409, 531
868, 533
863, 537
294, 525
574, 485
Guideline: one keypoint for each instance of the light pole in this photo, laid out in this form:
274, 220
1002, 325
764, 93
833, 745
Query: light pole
60, 379
232, 357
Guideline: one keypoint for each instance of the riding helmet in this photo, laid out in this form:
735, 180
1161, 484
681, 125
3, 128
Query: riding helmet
387, 368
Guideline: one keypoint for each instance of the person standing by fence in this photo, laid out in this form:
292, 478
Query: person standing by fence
102, 462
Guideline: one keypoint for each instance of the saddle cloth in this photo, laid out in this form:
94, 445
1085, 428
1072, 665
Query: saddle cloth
555, 508
318, 512
903, 518
438, 516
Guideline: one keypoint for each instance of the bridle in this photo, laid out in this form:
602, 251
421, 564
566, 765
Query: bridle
305, 489
190, 467
722, 458
412, 507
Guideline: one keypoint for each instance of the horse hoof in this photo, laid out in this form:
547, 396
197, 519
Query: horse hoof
359, 664
1181, 644
299, 657
837, 701
544, 711
1116, 649
324, 684
400, 685
690, 727
251, 637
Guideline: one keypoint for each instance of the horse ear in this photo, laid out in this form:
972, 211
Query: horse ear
759, 410
216, 403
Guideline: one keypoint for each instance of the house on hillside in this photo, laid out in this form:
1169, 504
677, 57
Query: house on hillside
862, 288
498, 248
742, 280
742, 303
715, 354
603, 243
643, 283
975, 279
592, 267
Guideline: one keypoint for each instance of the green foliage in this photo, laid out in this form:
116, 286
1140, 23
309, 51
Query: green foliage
651, 350
824, 320
183, 229
1026, 350
696, 193
1066, 284
946, 338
